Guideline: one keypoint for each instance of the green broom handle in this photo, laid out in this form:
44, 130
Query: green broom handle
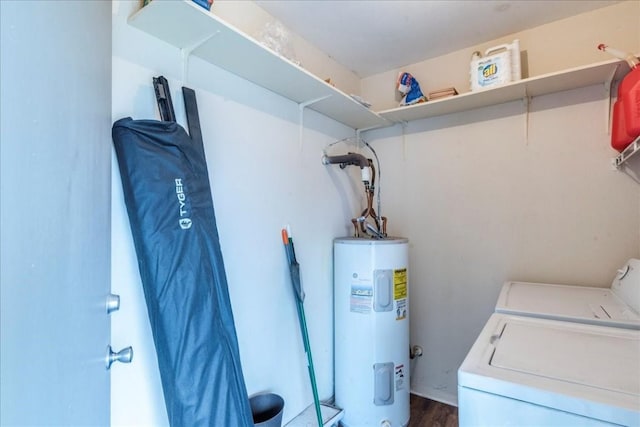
291, 258
307, 349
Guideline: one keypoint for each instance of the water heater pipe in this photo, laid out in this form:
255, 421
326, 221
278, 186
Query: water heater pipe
368, 179
354, 159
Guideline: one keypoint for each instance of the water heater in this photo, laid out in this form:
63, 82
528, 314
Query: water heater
371, 309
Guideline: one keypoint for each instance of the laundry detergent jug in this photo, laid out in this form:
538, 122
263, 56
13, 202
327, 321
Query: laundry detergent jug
499, 65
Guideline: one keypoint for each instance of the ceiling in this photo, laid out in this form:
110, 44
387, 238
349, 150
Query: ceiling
372, 36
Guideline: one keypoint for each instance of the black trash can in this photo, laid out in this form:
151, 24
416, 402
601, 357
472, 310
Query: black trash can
267, 409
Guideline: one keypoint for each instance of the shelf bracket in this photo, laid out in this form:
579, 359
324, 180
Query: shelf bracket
526, 102
361, 131
358, 132
301, 108
608, 84
187, 50
632, 149
373, 127
404, 124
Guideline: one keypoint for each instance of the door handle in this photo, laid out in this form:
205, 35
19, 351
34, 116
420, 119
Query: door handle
123, 356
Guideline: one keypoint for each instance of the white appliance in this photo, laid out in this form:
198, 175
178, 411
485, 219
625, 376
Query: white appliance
616, 306
525, 371
371, 310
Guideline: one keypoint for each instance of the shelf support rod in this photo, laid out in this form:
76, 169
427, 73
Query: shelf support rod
607, 87
301, 107
362, 130
358, 132
626, 154
404, 124
187, 50
526, 101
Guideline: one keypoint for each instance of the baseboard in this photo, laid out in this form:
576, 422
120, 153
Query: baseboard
438, 396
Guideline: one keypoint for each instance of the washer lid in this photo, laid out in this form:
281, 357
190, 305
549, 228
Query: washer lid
585, 357
593, 371
564, 302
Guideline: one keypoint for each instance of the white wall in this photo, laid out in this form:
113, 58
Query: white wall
261, 179
482, 203
252, 19
552, 47
496, 194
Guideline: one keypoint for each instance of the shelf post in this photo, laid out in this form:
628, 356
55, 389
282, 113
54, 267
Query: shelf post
187, 50
626, 154
360, 131
301, 108
404, 125
526, 101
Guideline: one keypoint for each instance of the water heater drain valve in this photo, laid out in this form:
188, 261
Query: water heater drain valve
415, 351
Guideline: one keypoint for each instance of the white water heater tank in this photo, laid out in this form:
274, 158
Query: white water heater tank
371, 309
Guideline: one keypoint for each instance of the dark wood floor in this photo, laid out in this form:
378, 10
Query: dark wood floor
429, 413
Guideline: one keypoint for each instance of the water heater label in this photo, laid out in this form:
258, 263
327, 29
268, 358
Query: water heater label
401, 382
361, 298
400, 283
401, 309
400, 293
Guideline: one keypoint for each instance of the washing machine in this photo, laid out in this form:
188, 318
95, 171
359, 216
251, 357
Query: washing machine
526, 371
617, 306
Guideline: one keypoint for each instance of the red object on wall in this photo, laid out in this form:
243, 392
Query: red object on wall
626, 111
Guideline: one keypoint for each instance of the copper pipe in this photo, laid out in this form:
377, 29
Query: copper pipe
354, 221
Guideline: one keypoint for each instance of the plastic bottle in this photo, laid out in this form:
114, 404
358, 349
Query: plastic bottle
500, 64
626, 110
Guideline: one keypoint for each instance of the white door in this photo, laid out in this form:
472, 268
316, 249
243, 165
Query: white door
55, 142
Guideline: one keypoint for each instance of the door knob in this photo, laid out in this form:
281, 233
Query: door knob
113, 303
123, 356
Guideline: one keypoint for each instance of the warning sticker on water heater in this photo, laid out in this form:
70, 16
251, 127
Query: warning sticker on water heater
401, 382
361, 298
400, 293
